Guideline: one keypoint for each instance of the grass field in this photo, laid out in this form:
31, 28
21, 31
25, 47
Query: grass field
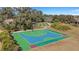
35, 38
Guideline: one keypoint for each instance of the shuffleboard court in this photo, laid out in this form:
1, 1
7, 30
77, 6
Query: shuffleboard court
36, 38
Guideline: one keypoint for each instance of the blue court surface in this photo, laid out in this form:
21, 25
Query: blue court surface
38, 37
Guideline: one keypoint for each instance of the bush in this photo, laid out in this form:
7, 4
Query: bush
8, 43
58, 26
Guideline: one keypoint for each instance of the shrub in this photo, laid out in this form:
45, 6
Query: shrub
8, 43
58, 26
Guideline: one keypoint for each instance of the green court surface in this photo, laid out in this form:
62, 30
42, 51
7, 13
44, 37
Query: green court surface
31, 39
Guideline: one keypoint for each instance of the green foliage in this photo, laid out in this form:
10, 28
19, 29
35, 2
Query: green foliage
58, 26
7, 43
22, 18
68, 19
56, 20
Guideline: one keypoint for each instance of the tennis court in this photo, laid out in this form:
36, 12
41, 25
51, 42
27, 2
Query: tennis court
31, 39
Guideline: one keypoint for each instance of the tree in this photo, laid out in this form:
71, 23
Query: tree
7, 12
